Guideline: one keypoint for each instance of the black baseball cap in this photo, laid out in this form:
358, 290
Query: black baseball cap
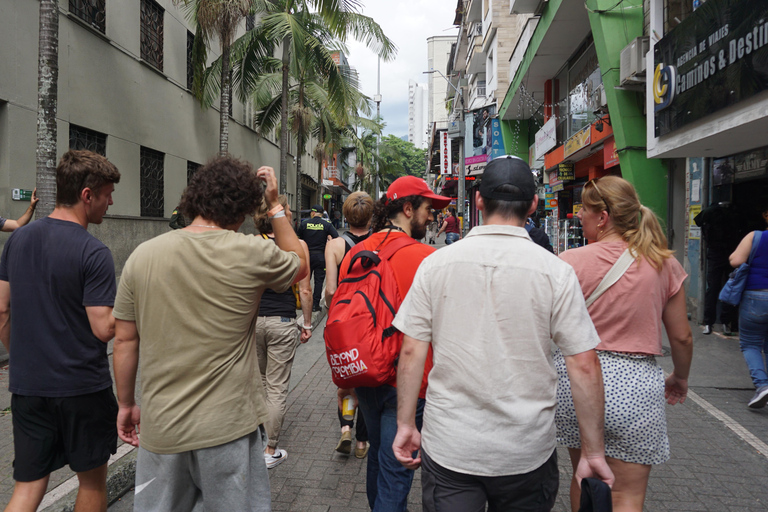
317, 209
508, 170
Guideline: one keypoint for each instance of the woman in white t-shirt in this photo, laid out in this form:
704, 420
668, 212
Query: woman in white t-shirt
628, 317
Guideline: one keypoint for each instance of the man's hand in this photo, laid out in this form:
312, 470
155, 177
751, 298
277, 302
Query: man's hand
305, 335
267, 174
407, 441
596, 467
129, 424
675, 389
35, 199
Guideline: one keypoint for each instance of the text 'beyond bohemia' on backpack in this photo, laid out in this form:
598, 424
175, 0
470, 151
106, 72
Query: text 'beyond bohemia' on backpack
361, 345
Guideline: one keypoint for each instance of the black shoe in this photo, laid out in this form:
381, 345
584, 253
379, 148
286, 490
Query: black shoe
727, 330
707, 329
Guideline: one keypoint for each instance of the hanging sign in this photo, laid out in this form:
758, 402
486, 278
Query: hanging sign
497, 141
445, 154
565, 172
610, 156
545, 138
475, 165
580, 139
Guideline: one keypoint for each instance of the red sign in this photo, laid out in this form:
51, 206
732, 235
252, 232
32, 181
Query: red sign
445, 154
610, 156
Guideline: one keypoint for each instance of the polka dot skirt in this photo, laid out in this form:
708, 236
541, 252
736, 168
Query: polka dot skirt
635, 420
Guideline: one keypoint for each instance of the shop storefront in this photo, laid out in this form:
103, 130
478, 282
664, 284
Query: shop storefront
709, 96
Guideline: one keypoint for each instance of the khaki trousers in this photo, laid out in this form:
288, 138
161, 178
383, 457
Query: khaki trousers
276, 340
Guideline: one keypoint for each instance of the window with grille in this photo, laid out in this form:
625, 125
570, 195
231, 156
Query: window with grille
93, 12
151, 183
83, 138
190, 69
152, 33
192, 168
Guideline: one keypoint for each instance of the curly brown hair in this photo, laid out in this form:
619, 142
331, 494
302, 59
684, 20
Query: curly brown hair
385, 210
225, 191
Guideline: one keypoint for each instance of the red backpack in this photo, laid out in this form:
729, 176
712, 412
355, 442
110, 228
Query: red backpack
361, 344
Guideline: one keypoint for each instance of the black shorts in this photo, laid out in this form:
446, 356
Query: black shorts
50, 432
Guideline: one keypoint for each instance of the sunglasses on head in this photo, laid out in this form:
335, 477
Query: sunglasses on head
593, 182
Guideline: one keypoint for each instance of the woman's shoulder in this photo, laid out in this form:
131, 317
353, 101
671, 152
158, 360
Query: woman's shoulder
593, 250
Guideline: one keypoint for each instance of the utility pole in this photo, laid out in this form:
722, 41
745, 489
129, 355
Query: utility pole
377, 99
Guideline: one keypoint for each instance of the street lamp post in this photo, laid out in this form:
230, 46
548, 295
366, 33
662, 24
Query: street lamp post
377, 99
461, 193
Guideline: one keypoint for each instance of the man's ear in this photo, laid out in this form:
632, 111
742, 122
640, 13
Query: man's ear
408, 209
534, 204
86, 195
479, 201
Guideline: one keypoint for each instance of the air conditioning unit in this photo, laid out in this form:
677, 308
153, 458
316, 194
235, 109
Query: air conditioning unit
476, 30
632, 66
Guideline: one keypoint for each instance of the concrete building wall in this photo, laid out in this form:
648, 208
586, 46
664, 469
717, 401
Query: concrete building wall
104, 85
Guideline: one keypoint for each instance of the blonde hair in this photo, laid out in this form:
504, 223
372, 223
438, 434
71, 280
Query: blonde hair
635, 223
261, 220
358, 209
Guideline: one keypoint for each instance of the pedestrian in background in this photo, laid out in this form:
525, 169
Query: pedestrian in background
60, 281
188, 298
316, 231
276, 338
628, 317
8, 225
489, 436
753, 313
358, 210
404, 211
451, 227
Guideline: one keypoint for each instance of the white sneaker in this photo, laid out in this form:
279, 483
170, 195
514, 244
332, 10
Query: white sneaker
760, 399
273, 460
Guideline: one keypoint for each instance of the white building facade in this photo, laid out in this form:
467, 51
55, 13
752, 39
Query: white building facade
418, 118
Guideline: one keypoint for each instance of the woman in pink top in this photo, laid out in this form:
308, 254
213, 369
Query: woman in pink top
628, 317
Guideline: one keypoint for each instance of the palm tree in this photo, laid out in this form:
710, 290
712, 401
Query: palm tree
300, 31
384, 164
220, 19
312, 111
47, 100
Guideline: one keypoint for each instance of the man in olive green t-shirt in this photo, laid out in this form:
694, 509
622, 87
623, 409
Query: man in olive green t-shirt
189, 299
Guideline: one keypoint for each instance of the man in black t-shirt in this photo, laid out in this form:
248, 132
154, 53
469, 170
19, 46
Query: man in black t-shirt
316, 232
61, 282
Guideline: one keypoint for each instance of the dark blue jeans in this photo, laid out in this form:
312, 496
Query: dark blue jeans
753, 333
387, 481
451, 237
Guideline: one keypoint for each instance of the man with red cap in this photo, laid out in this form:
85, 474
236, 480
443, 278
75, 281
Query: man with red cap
404, 211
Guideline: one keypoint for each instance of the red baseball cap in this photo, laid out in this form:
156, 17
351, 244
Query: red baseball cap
413, 186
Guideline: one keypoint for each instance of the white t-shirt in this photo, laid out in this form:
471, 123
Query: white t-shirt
490, 304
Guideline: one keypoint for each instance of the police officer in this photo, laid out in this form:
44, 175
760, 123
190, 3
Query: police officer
316, 231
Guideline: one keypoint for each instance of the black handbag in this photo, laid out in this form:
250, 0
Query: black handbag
595, 496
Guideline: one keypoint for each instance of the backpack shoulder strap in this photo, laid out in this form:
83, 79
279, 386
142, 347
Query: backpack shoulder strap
614, 274
351, 243
396, 245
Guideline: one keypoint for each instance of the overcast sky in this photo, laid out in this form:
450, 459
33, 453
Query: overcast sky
408, 23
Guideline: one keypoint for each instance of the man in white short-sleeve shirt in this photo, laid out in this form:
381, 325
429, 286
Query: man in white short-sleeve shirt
490, 306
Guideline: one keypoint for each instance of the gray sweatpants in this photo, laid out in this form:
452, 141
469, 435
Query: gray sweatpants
231, 476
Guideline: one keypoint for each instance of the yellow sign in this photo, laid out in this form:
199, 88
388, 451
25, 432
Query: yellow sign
580, 139
694, 231
576, 208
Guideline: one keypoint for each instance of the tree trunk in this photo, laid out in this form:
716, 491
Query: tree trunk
226, 98
284, 120
298, 175
47, 100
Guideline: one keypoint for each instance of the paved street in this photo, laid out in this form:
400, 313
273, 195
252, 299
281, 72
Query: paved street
719, 447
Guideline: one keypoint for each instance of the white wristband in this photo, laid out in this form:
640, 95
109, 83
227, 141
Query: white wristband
309, 328
279, 214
